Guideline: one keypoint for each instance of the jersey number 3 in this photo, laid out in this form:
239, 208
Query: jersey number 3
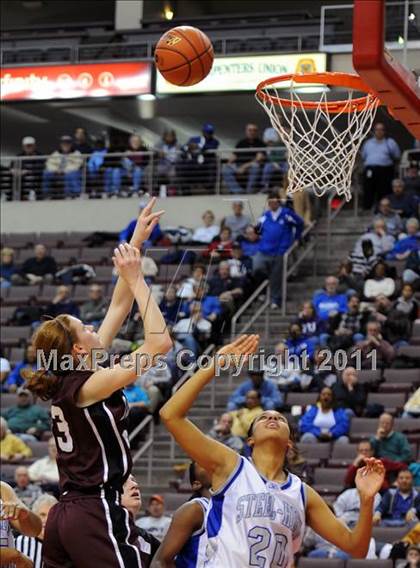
64, 439
261, 540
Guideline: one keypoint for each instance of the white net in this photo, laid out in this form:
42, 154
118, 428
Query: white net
322, 145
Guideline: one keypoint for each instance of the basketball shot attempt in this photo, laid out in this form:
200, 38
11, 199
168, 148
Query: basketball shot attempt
258, 509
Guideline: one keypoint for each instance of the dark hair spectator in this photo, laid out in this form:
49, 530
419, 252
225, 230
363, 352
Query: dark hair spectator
324, 422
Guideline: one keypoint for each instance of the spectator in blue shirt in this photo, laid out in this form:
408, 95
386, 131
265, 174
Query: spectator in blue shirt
328, 303
324, 422
138, 402
126, 234
250, 243
270, 396
311, 325
15, 379
211, 307
379, 153
297, 344
405, 246
401, 505
172, 308
279, 227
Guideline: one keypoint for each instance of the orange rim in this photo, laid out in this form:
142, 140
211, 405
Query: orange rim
347, 80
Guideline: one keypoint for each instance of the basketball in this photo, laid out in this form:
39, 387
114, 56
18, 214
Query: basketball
184, 56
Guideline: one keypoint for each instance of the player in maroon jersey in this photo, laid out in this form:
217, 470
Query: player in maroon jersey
89, 527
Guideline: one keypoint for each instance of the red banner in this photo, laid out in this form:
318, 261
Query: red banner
75, 81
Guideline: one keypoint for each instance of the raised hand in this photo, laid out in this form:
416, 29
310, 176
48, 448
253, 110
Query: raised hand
370, 478
239, 349
146, 222
126, 260
13, 512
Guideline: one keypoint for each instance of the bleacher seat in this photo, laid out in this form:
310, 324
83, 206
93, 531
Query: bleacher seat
81, 293
39, 449
314, 453
63, 255
411, 351
20, 294
8, 472
342, 455
103, 274
321, 563
363, 428
24, 254
6, 313
388, 534
47, 294
329, 480
363, 563
96, 255
367, 376
13, 335
8, 399
173, 501
402, 376
390, 401
16, 354
301, 398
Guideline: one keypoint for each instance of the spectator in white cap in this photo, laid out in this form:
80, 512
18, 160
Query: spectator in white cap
63, 166
29, 167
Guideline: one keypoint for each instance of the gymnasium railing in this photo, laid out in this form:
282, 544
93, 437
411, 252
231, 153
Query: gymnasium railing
115, 174
147, 446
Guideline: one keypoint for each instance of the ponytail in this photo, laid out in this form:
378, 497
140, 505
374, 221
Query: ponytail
41, 383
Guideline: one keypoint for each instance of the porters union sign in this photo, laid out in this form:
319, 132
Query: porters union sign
75, 81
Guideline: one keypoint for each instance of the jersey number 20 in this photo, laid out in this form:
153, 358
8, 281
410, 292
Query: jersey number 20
64, 439
261, 540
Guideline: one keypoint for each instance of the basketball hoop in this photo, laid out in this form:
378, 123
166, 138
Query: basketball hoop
323, 136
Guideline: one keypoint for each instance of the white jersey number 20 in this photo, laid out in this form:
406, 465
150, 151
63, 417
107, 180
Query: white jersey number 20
260, 537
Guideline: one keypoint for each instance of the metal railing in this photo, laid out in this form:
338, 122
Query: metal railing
147, 446
187, 171
187, 375
263, 288
306, 248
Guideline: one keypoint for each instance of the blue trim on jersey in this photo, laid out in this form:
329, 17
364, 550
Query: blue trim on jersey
188, 556
303, 495
288, 482
214, 519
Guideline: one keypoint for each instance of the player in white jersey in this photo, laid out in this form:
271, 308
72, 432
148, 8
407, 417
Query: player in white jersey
258, 510
13, 513
184, 545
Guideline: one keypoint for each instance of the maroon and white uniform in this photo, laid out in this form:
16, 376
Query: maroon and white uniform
89, 527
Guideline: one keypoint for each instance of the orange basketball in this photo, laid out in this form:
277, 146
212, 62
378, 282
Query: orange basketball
184, 55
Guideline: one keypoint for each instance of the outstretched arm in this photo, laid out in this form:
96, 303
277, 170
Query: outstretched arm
369, 480
187, 519
216, 458
157, 341
122, 297
19, 516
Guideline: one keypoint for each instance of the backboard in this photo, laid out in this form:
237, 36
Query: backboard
397, 87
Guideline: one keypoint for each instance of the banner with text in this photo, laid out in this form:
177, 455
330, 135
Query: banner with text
75, 81
244, 73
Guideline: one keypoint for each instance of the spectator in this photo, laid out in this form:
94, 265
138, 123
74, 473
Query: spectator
309, 322
95, 167
412, 406
324, 422
240, 266
7, 267
406, 303
208, 144
4, 373
39, 268
245, 167
222, 432
365, 451
270, 396
64, 164
206, 233
244, 417
250, 243
405, 246
93, 310
279, 227
29, 167
62, 303
16, 378
26, 418
347, 506
156, 522
399, 506
186, 288
285, 371
191, 168
168, 153
380, 154
138, 402
12, 448
221, 246
194, 331
363, 259
229, 290
346, 329
133, 165
81, 141
172, 308
392, 220
411, 273
26, 491
211, 306
297, 343
45, 470
401, 201
390, 444
349, 393
348, 280
382, 242
328, 303
412, 179
126, 234
379, 283
207, 141
32, 546
75, 273
412, 558
375, 350
238, 222
275, 164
